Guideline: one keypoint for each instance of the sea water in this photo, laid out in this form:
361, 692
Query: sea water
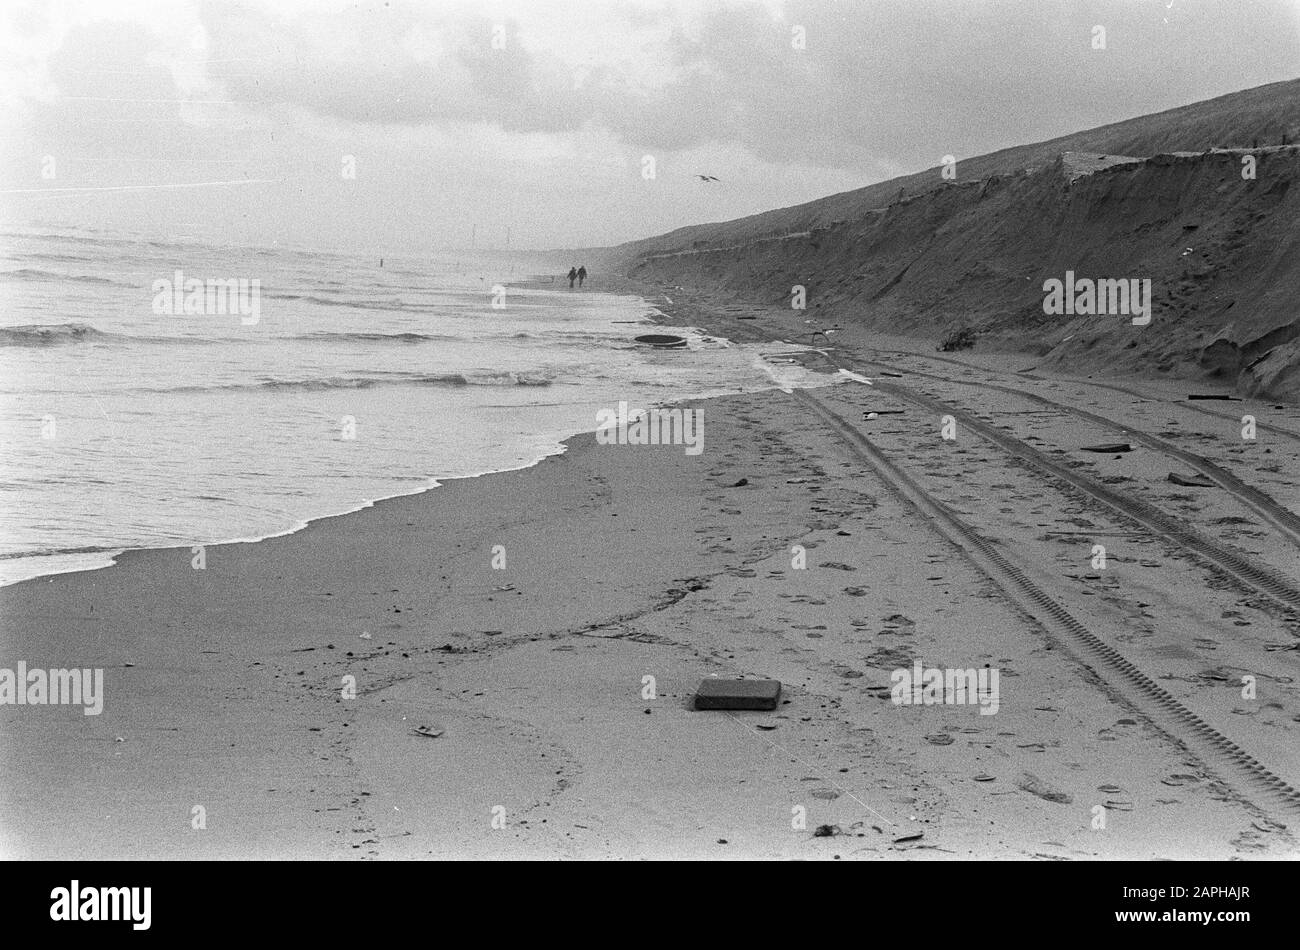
124, 426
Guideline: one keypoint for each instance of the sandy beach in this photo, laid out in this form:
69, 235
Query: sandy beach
543, 709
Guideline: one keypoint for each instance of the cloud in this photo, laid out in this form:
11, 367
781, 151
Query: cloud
877, 86
411, 64
450, 131
393, 65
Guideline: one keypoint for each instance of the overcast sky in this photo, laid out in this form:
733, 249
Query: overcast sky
548, 135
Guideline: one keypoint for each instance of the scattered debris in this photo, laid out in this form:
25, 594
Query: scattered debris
1190, 481
717, 693
838, 565
855, 377
983, 777
827, 831
1028, 782
905, 839
429, 732
1108, 448
872, 413
1213, 396
960, 339
662, 340
740, 484
939, 738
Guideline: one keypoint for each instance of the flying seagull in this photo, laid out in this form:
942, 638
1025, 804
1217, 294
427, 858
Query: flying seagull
709, 178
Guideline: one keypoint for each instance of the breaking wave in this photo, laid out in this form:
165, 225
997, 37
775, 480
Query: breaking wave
50, 334
326, 383
54, 334
32, 273
53, 552
325, 336
396, 305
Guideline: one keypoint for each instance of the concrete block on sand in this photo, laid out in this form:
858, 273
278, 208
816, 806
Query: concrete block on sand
737, 694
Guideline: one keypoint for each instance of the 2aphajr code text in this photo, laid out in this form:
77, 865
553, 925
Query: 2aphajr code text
1198, 892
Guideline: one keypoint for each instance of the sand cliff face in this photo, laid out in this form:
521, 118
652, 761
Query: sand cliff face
1218, 240
1221, 252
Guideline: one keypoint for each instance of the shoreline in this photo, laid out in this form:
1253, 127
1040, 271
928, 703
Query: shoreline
226, 689
137, 571
438, 482
108, 556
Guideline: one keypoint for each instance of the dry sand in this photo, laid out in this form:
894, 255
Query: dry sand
625, 562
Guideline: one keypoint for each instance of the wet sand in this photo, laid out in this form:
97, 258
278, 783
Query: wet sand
224, 686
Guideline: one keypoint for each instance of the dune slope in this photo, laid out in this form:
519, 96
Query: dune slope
1197, 200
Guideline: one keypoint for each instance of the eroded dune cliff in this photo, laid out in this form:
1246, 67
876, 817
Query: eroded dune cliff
1199, 201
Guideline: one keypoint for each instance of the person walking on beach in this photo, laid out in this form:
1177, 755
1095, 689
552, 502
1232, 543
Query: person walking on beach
582, 275
572, 274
